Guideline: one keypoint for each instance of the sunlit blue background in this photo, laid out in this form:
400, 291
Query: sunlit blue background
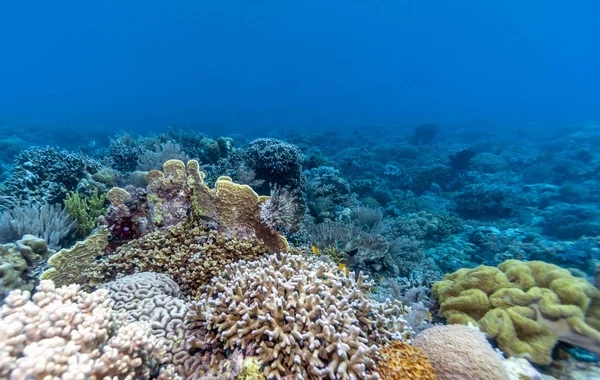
299, 64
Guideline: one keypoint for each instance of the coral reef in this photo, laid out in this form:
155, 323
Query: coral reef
304, 318
47, 175
67, 333
526, 306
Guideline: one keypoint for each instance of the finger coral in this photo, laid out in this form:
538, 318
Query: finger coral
67, 333
526, 306
304, 318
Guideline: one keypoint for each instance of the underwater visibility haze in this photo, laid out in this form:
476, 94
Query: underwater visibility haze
300, 190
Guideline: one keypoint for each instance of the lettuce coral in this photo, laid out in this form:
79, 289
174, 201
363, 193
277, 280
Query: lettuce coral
526, 306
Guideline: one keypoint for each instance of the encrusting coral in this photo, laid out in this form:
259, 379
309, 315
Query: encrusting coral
401, 361
69, 334
460, 352
526, 306
190, 256
304, 318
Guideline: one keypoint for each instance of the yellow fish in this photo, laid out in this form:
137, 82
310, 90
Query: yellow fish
315, 249
344, 268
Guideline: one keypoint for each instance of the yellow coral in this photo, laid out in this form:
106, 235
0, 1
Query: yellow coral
401, 361
68, 265
526, 306
250, 370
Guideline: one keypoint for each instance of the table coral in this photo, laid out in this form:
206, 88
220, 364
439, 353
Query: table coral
67, 333
305, 318
526, 306
401, 361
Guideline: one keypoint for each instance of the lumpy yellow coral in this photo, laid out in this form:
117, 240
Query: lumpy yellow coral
526, 306
401, 361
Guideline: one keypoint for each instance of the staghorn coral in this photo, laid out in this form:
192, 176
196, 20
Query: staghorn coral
67, 333
526, 306
401, 361
190, 256
460, 352
304, 318
69, 264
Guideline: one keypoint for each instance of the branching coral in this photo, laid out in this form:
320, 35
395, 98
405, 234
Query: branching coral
47, 174
85, 210
304, 318
67, 333
526, 306
191, 256
276, 162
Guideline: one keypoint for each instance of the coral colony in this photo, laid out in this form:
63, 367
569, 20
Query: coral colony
180, 256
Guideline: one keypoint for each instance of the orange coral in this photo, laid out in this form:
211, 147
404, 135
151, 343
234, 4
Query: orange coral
398, 360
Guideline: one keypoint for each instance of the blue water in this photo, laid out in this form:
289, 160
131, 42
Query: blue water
424, 136
267, 64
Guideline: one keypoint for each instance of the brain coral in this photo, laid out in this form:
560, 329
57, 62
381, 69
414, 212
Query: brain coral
190, 256
304, 318
69, 334
526, 306
153, 298
460, 352
401, 361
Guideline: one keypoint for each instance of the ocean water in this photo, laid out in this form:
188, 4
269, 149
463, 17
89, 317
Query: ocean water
401, 139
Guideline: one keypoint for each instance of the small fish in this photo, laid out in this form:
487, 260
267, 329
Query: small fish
315, 250
343, 268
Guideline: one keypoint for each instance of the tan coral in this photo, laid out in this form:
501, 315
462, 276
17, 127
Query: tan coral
305, 318
69, 264
67, 333
460, 352
190, 256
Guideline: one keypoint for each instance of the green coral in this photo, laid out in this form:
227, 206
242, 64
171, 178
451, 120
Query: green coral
85, 210
526, 306
250, 370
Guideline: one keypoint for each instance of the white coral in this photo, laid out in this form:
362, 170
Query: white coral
66, 333
303, 317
